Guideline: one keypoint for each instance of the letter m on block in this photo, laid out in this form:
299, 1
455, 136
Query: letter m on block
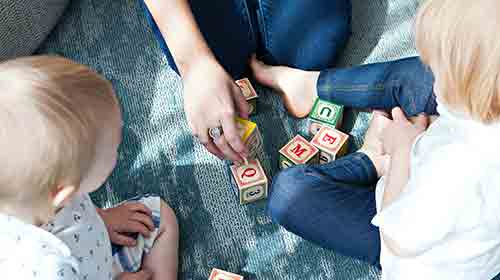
299, 150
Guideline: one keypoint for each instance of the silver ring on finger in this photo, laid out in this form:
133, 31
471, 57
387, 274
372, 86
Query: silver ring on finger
215, 133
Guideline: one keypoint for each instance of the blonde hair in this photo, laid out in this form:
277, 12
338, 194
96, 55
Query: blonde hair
50, 108
458, 40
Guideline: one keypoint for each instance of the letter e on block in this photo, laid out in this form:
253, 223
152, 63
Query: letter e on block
331, 143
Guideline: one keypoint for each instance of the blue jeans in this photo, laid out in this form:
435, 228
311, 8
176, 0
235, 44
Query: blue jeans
331, 205
303, 34
405, 83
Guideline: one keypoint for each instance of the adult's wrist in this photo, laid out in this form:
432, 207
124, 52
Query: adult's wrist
189, 62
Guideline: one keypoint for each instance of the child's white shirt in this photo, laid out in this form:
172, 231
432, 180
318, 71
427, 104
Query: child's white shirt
75, 246
29, 252
448, 216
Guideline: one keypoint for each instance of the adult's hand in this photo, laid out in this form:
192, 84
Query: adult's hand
212, 99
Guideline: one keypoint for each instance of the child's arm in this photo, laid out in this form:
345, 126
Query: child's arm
126, 219
397, 177
398, 139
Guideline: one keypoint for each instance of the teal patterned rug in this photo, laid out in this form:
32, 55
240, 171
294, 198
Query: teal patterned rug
158, 154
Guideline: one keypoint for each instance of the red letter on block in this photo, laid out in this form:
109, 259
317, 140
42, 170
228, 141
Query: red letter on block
249, 172
298, 151
330, 139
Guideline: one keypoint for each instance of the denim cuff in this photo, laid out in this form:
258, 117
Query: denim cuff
366, 163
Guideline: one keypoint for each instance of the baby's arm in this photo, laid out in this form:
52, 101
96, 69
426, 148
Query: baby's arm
162, 259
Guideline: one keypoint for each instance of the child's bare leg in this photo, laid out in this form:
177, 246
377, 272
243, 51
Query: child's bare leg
297, 87
162, 260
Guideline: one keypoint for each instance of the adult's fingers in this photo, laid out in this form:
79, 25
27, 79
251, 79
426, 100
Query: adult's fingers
240, 102
228, 151
233, 137
209, 144
144, 219
212, 148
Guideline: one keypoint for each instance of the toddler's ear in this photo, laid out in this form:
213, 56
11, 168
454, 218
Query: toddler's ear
61, 195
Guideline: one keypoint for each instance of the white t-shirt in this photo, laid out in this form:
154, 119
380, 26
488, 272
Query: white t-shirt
448, 216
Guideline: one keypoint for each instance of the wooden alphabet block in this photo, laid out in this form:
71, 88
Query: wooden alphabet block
250, 135
325, 113
298, 151
218, 274
331, 144
251, 181
249, 93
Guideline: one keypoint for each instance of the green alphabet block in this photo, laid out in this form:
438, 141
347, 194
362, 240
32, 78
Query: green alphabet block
325, 113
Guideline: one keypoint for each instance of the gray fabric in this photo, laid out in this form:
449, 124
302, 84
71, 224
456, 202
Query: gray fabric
24, 24
159, 156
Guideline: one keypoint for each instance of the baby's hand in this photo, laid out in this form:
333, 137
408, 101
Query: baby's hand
127, 220
401, 132
140, 275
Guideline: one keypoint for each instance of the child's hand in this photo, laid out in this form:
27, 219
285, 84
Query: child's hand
140, 275
401, 132
125, 220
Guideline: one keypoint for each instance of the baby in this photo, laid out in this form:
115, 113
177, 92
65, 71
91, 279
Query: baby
420, 201
59, 135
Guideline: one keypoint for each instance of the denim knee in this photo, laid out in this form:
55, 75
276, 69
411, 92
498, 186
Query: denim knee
289, 187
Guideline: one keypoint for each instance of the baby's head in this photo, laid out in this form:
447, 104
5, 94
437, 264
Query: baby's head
60, 128
459, 41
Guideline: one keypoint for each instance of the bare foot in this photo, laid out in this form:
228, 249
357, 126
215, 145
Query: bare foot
372, 145
297, 87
